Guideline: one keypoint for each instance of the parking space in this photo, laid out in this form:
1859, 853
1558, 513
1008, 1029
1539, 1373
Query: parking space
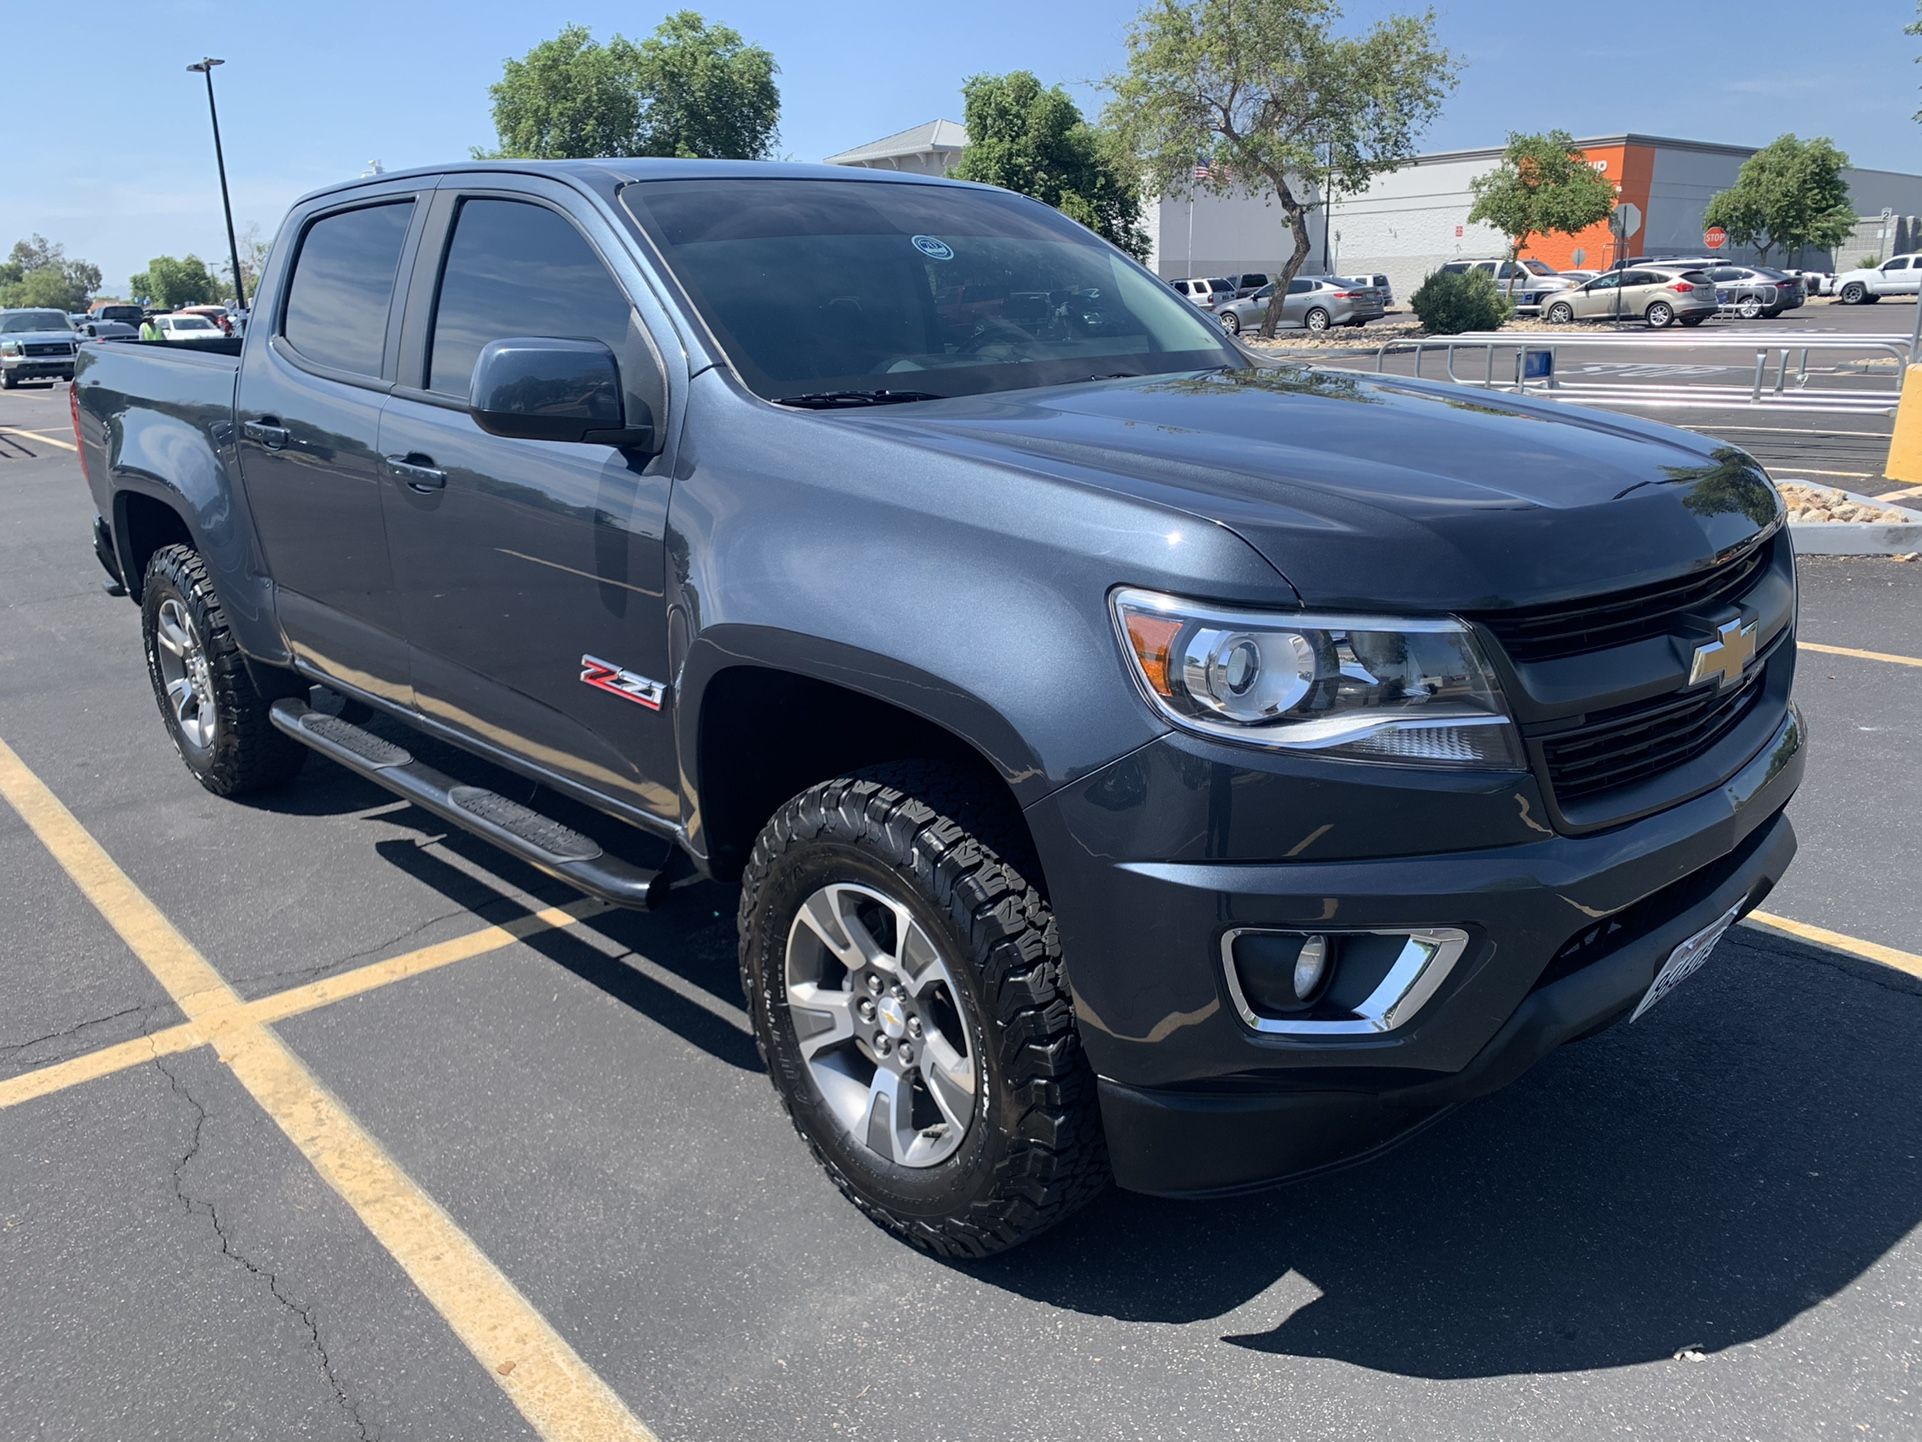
343, 1128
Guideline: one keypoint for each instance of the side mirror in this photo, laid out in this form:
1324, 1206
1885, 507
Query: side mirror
539, 388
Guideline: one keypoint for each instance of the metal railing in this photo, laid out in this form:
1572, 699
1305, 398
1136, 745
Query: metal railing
1789, 371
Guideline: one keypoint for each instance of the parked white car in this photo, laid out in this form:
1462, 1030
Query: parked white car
1524, 282
1901, 275
189, 329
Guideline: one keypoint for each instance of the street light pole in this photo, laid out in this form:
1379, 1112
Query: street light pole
206, 68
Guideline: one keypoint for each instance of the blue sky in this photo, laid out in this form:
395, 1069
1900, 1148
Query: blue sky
111, 156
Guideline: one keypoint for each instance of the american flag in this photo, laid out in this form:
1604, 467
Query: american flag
1204, 169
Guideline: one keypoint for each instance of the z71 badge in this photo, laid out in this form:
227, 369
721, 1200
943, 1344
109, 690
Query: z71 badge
625, 684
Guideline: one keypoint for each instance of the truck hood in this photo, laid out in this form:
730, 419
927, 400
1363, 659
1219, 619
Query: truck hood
1369, 492
38, 337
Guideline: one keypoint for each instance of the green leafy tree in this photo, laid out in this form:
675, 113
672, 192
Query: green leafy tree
1789, 194
1269, 93
37, 273
705, 92
170, 283
690, 89
1543, 186
1033, 140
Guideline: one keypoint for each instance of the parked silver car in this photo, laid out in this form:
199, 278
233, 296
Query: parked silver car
1315, 302
1208, 292
1659, 298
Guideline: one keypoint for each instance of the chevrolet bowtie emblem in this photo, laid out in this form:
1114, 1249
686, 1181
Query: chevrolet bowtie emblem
1727, 656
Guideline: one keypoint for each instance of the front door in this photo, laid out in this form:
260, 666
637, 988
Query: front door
1598, 298
309, 403
531, 573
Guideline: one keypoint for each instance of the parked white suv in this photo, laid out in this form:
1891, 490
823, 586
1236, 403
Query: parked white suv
1524, 282
1901, 275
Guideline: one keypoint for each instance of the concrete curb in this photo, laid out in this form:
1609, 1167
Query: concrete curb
1854, 538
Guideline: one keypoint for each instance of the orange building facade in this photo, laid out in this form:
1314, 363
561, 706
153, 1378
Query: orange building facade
1630, 167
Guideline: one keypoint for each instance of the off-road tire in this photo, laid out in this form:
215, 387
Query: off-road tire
927, 836
247, 753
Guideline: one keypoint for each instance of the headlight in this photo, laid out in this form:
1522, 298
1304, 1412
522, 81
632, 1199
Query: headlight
9, 347
1370, 688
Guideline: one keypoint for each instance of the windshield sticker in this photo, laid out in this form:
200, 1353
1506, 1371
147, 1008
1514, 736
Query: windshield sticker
933, 248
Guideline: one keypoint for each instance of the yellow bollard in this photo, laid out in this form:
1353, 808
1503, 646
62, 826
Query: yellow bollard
1905, 446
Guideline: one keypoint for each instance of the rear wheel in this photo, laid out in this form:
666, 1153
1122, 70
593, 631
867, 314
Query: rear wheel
1317, 319
215, 714
1660, 315
904, 980
1749, 307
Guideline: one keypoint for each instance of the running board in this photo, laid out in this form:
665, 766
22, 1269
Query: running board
540, 841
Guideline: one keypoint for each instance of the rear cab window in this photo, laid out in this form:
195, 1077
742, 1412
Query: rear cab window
343, 286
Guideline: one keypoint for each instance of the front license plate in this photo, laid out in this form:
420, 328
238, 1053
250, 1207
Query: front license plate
1687, 959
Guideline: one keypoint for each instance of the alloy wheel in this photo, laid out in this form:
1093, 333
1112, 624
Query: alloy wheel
878, 1018
185, 675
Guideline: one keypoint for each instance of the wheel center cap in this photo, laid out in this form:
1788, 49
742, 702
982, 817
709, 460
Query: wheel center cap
892, 1016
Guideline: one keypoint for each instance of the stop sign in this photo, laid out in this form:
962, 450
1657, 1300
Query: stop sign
1715, 237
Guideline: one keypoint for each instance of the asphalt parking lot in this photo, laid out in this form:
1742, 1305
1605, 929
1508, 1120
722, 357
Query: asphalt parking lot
317, 1121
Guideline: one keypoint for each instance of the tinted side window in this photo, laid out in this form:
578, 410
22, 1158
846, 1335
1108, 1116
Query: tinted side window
1455, 267
1902, 264
518, 269
342, 285
1300, 287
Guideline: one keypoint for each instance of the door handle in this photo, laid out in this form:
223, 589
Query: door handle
418, 474
270, 435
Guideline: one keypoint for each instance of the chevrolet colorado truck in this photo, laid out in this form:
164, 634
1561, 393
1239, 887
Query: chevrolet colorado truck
1139, 761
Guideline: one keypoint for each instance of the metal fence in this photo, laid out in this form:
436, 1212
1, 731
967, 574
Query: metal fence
1787, 370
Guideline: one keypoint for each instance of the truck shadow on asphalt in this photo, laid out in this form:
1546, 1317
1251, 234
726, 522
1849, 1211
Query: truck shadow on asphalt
1691, 1182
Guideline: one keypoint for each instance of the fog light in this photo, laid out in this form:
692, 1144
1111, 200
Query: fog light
1311, 968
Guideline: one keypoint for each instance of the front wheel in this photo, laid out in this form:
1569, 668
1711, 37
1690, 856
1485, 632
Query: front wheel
8, 380
1660, 315
1231, 322
1317, 319
1854, 293
216, 716
1561, 313
904, 980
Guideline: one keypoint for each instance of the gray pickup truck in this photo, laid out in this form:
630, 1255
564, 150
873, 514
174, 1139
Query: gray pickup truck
1138, 761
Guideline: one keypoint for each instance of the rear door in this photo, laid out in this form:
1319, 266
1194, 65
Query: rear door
309, 402
530, 565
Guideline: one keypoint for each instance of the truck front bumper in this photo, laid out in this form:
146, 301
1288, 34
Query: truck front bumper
1565, 936
25, 368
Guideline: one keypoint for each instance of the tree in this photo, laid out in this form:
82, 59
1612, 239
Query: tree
1034, 141
1790, 194
38, 274
169, 283
1266, 93
1916, 29
705, 92
689, 89
253, 260
1542, 186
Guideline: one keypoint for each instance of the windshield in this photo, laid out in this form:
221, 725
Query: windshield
23, 320
1539, 267
815, 286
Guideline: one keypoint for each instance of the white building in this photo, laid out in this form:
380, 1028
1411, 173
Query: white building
930, 149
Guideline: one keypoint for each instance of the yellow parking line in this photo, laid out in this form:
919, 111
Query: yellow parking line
1889, 656
37, 436
1904, 961
46, 1080
562, 1398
